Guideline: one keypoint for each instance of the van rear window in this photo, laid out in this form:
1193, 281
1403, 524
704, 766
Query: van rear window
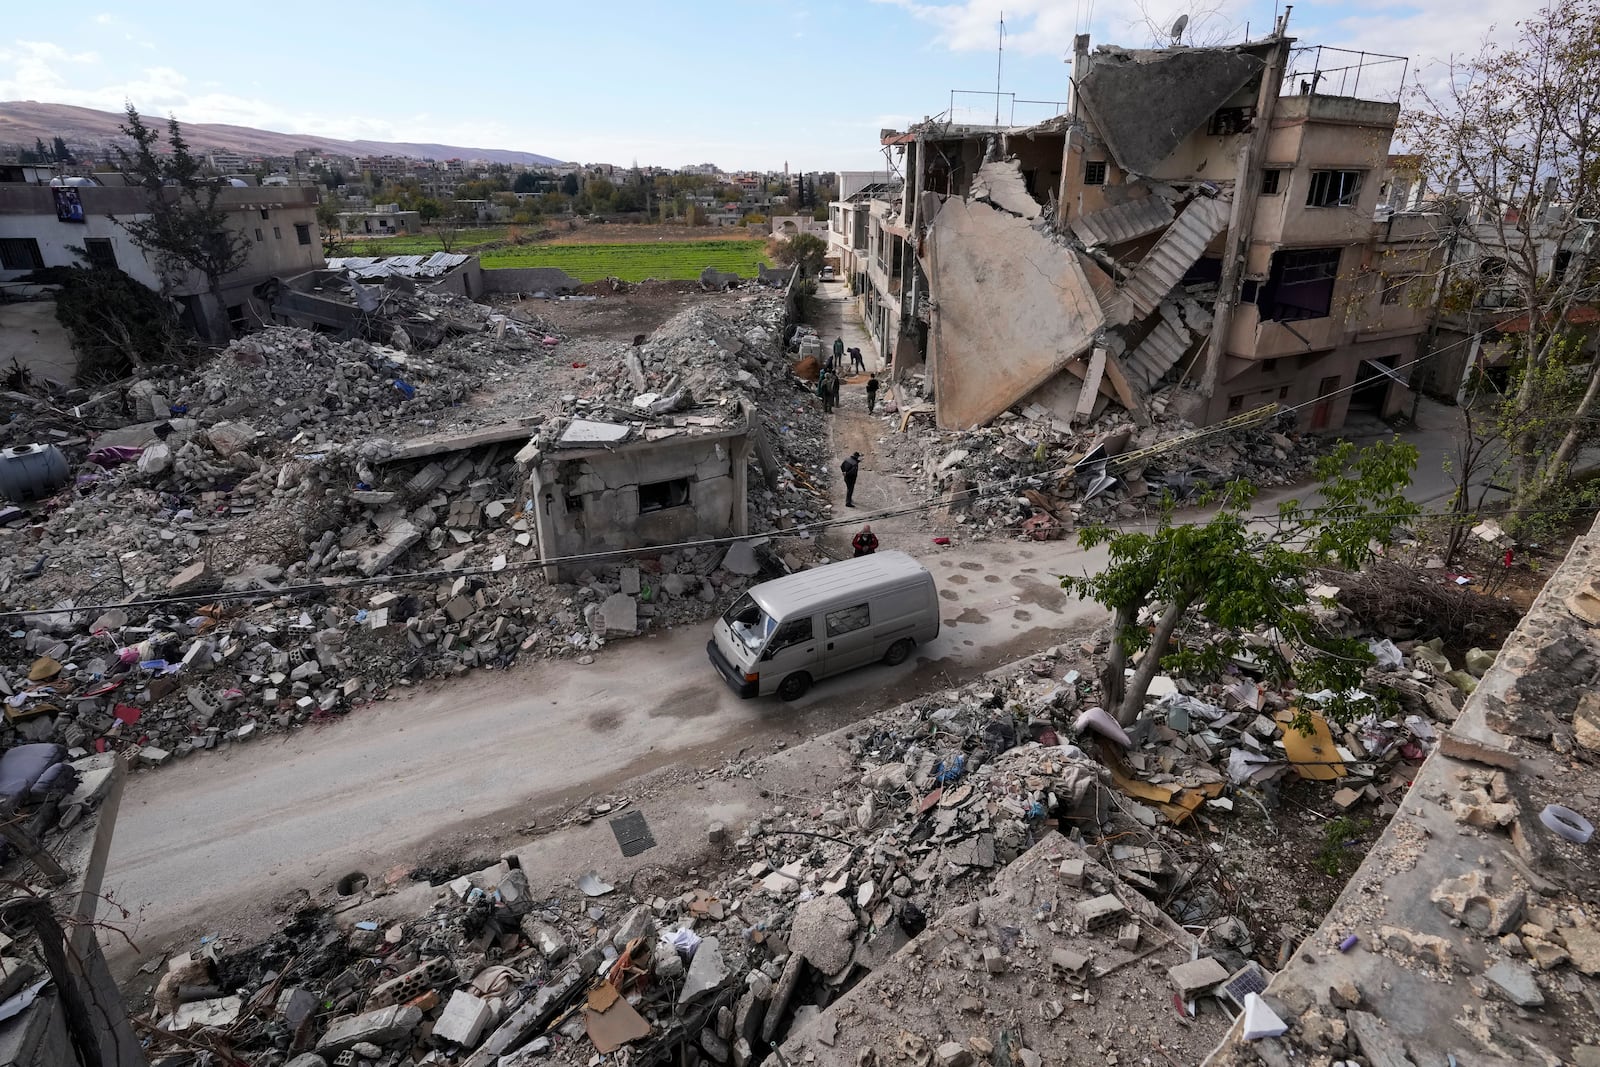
847, 619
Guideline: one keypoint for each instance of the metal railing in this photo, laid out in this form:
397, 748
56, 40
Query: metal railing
1309, 73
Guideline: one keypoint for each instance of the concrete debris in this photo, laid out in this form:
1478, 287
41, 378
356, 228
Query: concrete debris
297, 461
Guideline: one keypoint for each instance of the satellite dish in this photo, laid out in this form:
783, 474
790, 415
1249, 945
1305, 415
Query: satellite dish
1178, 28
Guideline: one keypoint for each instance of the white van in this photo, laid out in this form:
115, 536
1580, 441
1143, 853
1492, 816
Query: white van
785, 634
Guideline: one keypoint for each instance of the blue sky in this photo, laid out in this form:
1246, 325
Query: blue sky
752, 84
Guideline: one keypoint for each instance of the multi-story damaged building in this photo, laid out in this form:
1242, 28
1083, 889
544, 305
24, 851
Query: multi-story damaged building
1200, 229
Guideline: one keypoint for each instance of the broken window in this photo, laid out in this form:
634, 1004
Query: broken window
1394, 289
574, 502
1094, 172
302, 231
259, 238
846, 620
1563, 260
1269, 182
20, 253
658, 496
1236, 402
1300, 285
1231, 120
277, 232
1334, 188
793, 632
101, 254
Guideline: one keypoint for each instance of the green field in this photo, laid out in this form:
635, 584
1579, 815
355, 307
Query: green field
662, 260
421, 244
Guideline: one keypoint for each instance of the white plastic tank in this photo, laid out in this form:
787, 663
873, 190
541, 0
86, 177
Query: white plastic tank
31, 472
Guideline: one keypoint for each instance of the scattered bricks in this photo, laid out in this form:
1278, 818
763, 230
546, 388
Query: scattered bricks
1457, 747
426, 480
413, 983
950, 1054
1128, 937
1426, 947
463, 1020
544, 937
1583, 943
1346, 798
425, 1003
716, 834
1072, 872
1197, 976
1344, 994
151, 756
1545, 955
1071, 966
993, 962
379, 1027
1101, 911
459, 608
195, 578
1470, 900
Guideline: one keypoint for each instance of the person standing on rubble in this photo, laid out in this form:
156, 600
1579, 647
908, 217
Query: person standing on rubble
834, 382
872, 393
825, 391
838, 352
851, 467
866, 542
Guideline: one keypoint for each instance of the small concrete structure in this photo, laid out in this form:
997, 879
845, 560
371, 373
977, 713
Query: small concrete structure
682, 478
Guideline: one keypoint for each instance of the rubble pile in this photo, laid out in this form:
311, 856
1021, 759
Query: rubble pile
303, 523
742, 952
1059, 475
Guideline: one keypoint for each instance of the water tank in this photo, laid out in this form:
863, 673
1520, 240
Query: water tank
31, 472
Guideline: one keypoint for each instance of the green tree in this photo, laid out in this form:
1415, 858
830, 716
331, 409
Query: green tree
183, 225
328, 208
527, 182
117, 325
1239, 573
63, 153
806, 250
1514, 130
40, 151
569, 185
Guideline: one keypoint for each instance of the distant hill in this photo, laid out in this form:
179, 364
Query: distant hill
24, 121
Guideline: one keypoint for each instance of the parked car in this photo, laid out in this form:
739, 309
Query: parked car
825, 274
787, 633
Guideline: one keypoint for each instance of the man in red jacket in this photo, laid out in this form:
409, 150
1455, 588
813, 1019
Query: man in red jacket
865, 543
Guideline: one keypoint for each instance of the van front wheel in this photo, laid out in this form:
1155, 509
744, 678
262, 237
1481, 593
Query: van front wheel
898, 652
794, 687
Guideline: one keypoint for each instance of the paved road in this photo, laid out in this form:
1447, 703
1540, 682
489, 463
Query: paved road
200, 844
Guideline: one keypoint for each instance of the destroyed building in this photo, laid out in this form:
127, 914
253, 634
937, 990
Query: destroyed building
1198, 229
46, 226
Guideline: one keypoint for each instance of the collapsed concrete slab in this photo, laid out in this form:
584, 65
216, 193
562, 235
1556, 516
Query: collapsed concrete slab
1147, 104
1178, 249
1001, 184
1014, 308
1025, 952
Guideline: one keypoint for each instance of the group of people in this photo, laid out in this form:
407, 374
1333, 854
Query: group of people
830, 378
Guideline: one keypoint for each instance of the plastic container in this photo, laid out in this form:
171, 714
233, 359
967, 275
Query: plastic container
31, 472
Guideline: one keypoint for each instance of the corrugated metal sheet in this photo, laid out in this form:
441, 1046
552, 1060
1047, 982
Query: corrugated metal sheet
1125, 222
431, 266
1178, 250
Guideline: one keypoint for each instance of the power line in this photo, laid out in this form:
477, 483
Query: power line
336, 585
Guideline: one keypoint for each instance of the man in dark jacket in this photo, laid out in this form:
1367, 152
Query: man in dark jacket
838, 353
872, 393
865, 543
851, 467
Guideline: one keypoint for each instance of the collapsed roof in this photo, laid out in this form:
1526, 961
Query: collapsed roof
1145, 103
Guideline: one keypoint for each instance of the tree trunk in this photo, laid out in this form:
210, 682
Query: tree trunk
1112, 680
1133, 700
1550, 471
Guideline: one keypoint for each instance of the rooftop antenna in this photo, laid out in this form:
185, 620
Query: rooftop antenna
1000, 54
1178, 28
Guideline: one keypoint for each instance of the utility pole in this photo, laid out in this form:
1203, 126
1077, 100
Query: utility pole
999, 57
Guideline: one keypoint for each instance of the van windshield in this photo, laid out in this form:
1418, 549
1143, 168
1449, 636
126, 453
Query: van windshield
750, 625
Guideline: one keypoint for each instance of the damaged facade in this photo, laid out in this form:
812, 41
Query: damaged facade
1221, 258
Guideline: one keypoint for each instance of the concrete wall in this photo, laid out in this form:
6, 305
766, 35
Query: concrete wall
31, 336
608, 484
